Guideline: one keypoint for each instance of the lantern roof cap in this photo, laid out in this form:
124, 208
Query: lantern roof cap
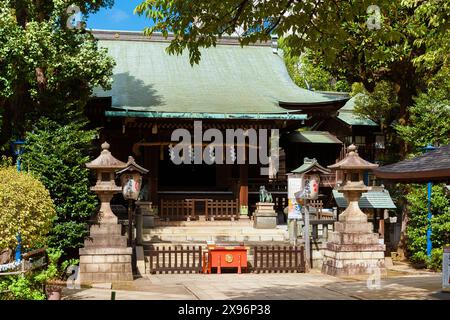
105, 160
131, 166
353, 161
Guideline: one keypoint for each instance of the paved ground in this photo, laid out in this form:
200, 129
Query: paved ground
310, 286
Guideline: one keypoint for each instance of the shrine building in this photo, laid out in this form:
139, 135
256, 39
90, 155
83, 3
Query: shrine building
155, 93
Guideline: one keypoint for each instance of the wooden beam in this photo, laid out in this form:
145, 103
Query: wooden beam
243, 184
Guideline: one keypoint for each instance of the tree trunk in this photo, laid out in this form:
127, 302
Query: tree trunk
402, 244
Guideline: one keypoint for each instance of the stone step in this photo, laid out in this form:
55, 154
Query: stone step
240, 222
212, 230
213, 237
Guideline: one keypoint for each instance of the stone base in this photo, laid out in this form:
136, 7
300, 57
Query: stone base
105, 257
353, 250
264, 216
148, 221
99, 265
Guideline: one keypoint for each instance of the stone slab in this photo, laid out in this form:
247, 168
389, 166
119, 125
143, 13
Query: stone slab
264, 222
353, 238
349, 227
356, 247
107, 285
106, 251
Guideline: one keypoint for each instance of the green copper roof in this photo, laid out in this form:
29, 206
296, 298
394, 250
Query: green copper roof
369, 200
310, 165
313, 137
205, 115
248, 81
346, 114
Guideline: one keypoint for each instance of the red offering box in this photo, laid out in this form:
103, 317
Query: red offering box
225, 257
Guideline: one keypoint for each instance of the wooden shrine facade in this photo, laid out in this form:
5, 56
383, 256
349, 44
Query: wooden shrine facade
154, 93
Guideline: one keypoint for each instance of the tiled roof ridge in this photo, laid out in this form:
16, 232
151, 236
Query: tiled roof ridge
124, 35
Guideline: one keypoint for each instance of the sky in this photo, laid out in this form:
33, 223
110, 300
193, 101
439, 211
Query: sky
119, 17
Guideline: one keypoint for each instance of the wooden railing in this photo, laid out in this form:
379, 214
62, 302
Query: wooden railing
222, 210
212, 209
176, 209
279, 259
178, 259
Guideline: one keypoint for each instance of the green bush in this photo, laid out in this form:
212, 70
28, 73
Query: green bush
21, 288
57, 154
31, 285
25, 208
418, 224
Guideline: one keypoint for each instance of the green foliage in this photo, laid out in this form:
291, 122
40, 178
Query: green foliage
309, 73
57, 155
429, 121
25, 208
378, 105
52, 270
31, 285
417, 226
407, 53
21, 288
410, 31
46, 69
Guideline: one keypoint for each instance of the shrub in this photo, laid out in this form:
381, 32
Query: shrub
25, 208
418, 224
21, 288
57, 153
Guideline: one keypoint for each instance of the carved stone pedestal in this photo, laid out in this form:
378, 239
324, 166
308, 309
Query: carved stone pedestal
353, 249
105, 256
265, 216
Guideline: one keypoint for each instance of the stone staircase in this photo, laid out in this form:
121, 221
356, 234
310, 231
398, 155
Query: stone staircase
214, 233
201, 231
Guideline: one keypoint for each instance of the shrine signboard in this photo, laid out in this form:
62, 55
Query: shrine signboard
295, 184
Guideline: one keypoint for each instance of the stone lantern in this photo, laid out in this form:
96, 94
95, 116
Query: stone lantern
106, 166
352, 247
105, 257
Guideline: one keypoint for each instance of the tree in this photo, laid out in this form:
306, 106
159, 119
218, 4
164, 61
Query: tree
429, 121
25, 208
309, 73
57, 154
429, 124
46, 68
418, 224
405, 44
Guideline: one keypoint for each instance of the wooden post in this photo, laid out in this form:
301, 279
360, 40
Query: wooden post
306, 236
154, 169
130, 223
243, 185
381, 225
